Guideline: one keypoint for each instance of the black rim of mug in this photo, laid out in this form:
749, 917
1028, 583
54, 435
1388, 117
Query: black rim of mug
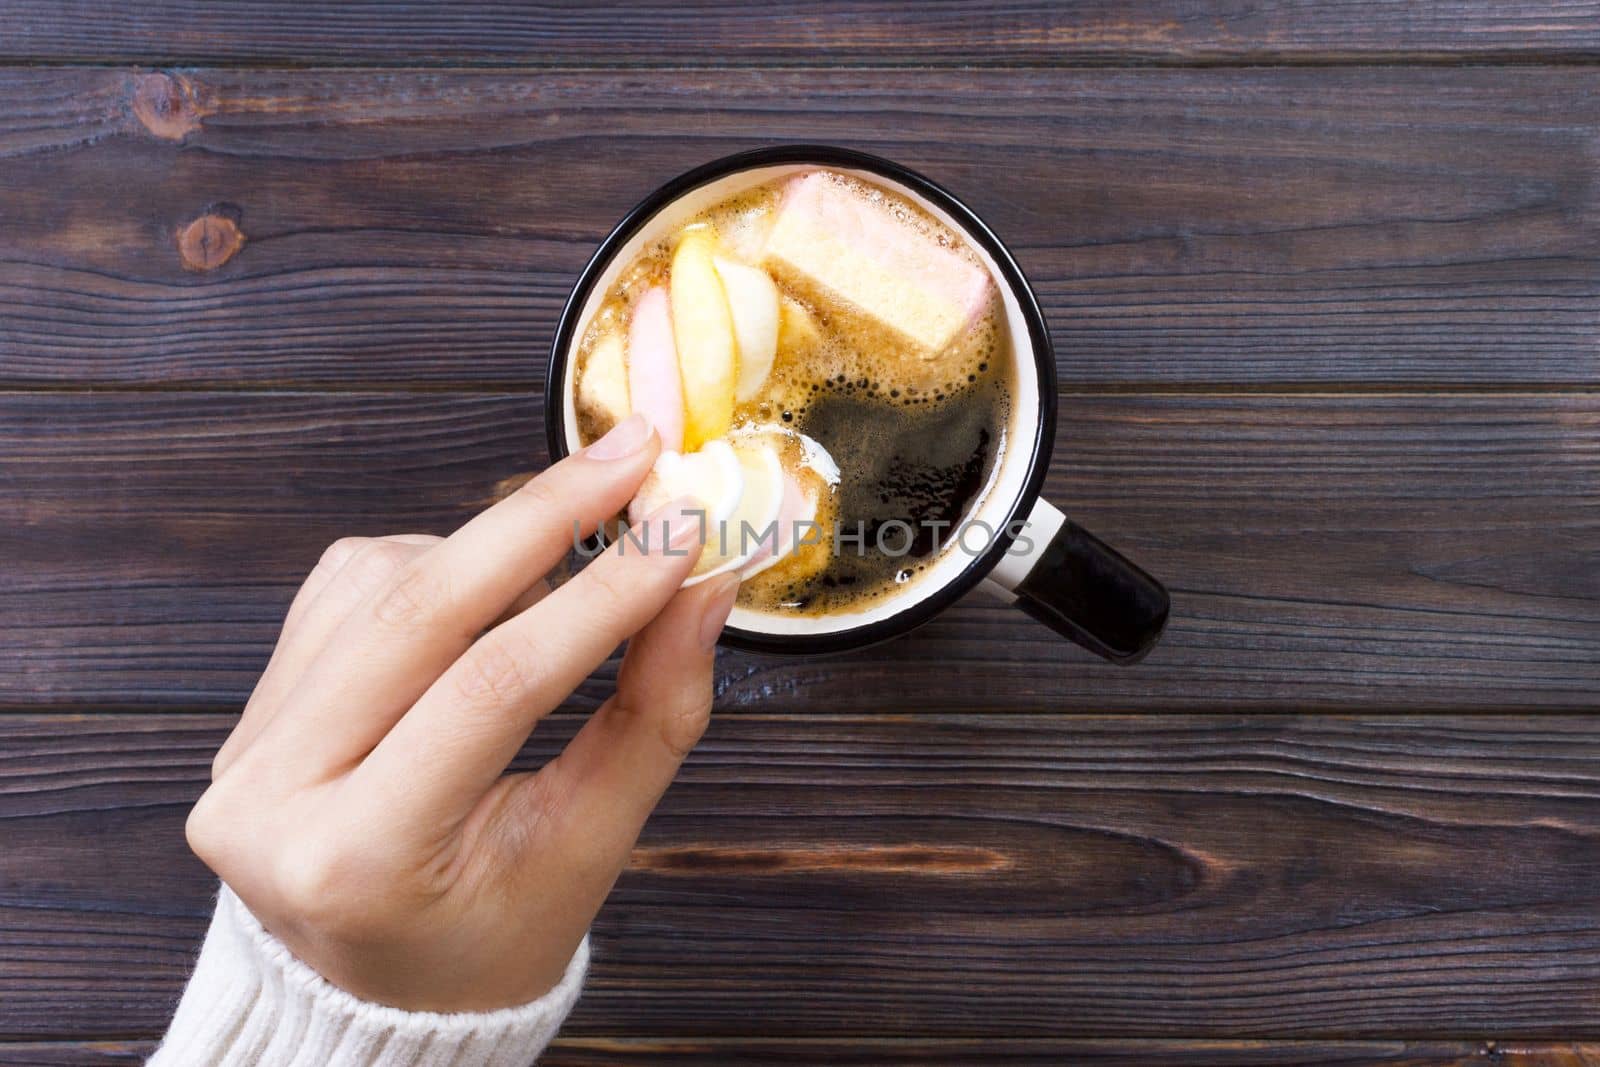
913, 615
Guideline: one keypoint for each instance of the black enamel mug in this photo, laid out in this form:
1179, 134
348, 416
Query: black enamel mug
1014, 543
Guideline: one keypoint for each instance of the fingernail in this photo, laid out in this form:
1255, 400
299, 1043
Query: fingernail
723, 590
623, 439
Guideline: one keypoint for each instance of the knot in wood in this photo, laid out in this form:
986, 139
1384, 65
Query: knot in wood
165, 105
209, 241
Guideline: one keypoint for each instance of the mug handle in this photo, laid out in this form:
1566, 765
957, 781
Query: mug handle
1082, 588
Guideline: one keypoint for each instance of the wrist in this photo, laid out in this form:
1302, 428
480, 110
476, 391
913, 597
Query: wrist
251, 1001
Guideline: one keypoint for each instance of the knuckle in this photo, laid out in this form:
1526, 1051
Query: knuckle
414, 598
608, 595
533, 802
539, 496
339, 553
497, 672
204, 829
683, 728
375, 563
219, 763
332, 561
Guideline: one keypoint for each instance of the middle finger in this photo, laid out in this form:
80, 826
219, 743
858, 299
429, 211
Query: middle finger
395, 645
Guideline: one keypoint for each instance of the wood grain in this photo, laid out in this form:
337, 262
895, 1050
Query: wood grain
854, 31
1184, 228
1182, 877
73, 1053
1327, 335
1042, 1053
1048, 1053
1335, 552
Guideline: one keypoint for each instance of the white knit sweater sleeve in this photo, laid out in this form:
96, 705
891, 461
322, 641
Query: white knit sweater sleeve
250, 1003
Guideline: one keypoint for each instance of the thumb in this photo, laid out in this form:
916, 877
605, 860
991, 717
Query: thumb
627, 754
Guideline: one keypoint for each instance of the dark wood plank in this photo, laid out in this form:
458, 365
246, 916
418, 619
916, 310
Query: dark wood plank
73, 1053
1016, 1053
1184, 228
1048, 1053
1355, 552
1017, 876
857, 31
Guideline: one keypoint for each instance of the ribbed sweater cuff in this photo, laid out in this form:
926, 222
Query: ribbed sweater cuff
250, 1003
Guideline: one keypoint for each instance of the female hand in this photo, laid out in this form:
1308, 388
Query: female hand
360, 808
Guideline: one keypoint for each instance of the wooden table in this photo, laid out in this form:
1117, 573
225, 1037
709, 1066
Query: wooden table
1325, 286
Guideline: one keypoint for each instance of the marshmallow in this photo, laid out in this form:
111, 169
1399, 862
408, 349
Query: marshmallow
834, 241
603, 389
739, 485
654, 384
711, 476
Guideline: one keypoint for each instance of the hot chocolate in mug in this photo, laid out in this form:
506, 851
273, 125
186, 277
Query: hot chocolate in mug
1017, 545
